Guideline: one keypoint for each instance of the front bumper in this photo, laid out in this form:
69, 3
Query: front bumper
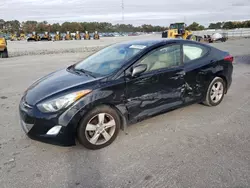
36, 125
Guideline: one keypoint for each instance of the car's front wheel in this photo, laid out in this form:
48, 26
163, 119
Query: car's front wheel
99, 128
215, 92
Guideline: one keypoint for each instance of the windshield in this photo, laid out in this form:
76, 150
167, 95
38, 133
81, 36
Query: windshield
109, 59
177, 26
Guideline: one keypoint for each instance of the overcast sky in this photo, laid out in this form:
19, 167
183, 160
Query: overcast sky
137, 12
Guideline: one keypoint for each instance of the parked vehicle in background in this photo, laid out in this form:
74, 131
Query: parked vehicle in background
3, 47
34, 37
96, 35
17, 36
78, 36
178, 30
122, 84
87, 36
68, 36
216, 37
6, 36
46, 36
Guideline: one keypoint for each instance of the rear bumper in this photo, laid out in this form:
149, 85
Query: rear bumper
229, 83
229, 77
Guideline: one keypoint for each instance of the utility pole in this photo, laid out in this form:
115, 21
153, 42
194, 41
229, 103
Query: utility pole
185, 21
123, 11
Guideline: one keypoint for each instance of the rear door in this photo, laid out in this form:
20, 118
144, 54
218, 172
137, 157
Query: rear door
197, 65
160, 87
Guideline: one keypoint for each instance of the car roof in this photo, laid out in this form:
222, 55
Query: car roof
148, 42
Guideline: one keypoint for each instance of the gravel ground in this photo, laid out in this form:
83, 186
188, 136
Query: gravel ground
21, 48
24, 48
195, 146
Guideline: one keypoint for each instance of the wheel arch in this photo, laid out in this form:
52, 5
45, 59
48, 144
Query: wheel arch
219, 74
210, 80
120, 109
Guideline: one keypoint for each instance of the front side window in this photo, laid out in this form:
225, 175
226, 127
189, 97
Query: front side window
192, 52
110, 59
165, 57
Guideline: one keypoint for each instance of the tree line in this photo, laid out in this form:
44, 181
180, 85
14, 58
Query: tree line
30, 26
230, 25
220, 25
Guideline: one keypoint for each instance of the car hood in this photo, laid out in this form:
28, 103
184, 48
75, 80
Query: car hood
54, 83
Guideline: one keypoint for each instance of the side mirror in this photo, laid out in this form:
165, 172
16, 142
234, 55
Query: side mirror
137, 70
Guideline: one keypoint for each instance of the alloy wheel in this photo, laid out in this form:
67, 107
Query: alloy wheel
217, 92
100, 129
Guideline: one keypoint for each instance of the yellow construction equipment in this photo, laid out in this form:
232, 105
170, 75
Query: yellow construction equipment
178, 30
86, 36
96, 36
46, 37
3, 48
22, 37
58, 36
13, 37
78, 36
17, 36
68, 36
34, 37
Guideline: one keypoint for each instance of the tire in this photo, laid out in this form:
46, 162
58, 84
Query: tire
191, 37
31, 40
85, 137
4, 54
214, 98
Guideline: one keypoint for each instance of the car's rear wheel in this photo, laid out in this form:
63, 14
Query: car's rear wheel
215, 92
99, 128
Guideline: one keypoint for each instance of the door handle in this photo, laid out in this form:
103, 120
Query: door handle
181, 73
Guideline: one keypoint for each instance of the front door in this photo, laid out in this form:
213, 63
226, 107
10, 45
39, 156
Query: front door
160, 87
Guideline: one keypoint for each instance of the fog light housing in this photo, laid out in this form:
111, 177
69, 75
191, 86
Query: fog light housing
54, 130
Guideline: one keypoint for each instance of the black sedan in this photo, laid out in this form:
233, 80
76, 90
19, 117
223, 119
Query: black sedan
121, 84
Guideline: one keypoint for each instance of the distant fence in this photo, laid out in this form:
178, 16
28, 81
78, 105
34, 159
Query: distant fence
241, 32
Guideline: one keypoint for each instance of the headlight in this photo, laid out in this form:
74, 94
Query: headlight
61, 102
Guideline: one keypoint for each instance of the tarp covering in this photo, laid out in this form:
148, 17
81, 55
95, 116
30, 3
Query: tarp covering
216, 36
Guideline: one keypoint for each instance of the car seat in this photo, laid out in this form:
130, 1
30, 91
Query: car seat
164, 60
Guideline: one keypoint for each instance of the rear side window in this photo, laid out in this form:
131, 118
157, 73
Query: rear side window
192, 52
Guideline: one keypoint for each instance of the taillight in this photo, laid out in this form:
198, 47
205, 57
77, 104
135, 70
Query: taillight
229, 58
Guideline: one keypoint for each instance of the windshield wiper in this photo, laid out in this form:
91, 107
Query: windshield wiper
88, 73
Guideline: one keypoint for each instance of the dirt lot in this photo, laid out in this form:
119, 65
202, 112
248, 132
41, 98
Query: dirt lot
20, 48
195, 146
